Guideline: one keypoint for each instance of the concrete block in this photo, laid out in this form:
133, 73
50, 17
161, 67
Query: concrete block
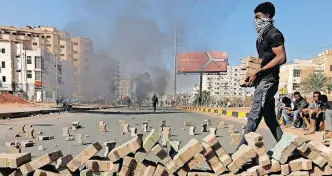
231, 129
102, 128
208, 122
252, 138
182, 172
299, 173
86, 172
192, 130
40, 172
102, 166
187, 152
84, 156
148, 143
285, 169
29, 133
186, 123
166, 134
314, 156
197, 160
109, 146
303, 148
20, 128
212, 159
285, 147
14, 149
40, 162
204, 128
61, 165
133, 132
14, 160
213, 131
161, 171
235, 139
327, 170
159, 151
26, 143
300, 164
123, 150
78, 139
323, 151
44, 138
175, 145
240, 157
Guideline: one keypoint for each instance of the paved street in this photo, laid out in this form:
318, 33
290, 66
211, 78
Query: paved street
52, 125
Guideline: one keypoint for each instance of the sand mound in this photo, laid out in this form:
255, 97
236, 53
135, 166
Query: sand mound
9, 98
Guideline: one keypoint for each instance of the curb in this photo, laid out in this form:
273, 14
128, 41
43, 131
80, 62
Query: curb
220, 111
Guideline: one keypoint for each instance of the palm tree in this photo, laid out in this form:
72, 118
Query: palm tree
315, 82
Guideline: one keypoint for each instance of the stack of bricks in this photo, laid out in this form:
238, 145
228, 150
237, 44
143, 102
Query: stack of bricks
248, 66
132, 158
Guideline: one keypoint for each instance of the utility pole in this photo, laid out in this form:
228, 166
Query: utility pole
175, 59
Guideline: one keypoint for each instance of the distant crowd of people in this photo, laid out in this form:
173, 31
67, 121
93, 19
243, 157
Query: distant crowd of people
314, 116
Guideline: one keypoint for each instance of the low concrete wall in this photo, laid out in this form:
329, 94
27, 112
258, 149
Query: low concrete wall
237, 114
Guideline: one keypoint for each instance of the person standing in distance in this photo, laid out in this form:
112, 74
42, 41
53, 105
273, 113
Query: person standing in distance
154, 102
271, 49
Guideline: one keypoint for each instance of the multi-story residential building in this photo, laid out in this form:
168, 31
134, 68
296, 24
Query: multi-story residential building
125, 88
27, 70
292, 74
225, 85
57, 43
83, 51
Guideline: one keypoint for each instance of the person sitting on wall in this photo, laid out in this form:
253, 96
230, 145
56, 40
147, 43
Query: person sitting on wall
286, 105
299, 104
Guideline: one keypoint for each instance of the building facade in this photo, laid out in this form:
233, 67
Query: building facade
293, 74
125, 88
225, 85
28, 71
57, 45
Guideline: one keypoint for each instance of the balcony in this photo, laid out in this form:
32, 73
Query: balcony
23, 37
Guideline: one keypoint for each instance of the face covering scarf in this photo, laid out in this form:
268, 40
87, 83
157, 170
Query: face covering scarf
262, 25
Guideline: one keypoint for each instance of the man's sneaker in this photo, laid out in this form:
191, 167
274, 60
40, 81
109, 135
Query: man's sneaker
288, 125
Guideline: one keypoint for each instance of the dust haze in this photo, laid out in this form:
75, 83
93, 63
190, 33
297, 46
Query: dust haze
123, 31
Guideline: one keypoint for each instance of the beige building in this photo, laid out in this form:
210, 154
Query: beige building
291, 75
225, 85
45, 38
125, 88
82, 52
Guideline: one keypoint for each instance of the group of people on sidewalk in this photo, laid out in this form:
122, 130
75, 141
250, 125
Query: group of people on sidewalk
314, 116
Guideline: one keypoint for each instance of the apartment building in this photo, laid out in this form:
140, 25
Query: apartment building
83, 51
291, 75
57, 43
125, 88
27, 70
225, 85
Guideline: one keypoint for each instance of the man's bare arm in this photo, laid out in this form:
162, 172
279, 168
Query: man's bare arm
278, 60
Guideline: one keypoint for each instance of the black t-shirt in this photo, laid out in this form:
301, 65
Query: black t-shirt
271, 39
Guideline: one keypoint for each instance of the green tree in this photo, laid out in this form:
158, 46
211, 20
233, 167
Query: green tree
204, 99
314, 82
329, 87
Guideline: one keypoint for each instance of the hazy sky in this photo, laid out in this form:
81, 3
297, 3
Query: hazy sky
211, 25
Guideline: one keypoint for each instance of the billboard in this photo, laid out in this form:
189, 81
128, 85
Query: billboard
202, 62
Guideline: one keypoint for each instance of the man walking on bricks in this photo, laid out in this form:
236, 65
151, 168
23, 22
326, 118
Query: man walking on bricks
271, 49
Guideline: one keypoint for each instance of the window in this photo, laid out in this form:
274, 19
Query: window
75, 43
29, 61
3, 64
38, 75
75, 52
34, 43
3, 50
29, 74
296, 86
37, 62
297, 73
48, 45
17, 56
62, 46
48, 36
62, 55
4, 79
330, 67
75, 59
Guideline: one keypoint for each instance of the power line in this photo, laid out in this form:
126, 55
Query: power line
192, 7
230, 11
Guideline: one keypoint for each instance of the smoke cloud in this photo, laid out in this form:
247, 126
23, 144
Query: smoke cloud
143, 86
124, 31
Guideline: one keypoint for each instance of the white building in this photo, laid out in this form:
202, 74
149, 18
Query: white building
28, 71
225, 85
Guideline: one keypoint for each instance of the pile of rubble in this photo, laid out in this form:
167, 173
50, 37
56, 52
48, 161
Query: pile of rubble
9, 98
292, 155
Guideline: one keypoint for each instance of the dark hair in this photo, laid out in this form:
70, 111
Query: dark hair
266, 8
323, 98
297, 93
286, 100
317, 92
